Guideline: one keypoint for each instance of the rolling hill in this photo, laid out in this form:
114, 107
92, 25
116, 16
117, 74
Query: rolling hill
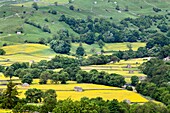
13, 13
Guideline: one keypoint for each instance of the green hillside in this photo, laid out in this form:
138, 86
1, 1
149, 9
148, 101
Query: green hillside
14, 13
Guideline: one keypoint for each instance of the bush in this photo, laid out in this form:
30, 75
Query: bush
2, 52
71, 7
129, 88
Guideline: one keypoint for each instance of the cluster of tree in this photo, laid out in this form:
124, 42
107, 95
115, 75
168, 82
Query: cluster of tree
35, 6
54, 12
71, 71
157, 83
161, 93
56, 62
64, 62
103, 78
44, 28
145, 22
157, 46
98, 60
128, 54
156, 9
98, 29
157, 71
2, 52
8, 97
61, 42
101, 29
9, 100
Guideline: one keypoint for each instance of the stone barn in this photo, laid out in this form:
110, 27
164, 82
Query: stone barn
78, 89
131, 71
128, 66
25, 85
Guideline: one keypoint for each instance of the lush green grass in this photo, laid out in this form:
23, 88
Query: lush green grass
108, 47
88, 48
42, 3
104, 9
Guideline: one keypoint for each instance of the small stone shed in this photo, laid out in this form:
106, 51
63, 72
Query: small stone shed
25, 85
78, 89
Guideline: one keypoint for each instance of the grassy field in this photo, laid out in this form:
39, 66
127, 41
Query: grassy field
65, 91
5, 111
2, 77
102, 8
26, 53
90, 90
109, 48
29, 3
122, 46
70, 87
120, 95
120, 68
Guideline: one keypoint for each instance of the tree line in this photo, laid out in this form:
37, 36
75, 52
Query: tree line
70, 70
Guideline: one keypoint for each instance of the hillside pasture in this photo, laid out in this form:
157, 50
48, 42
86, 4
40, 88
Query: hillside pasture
5, 111
109, 48
122, 46
26, 53
29, 3
90, 91
120, 68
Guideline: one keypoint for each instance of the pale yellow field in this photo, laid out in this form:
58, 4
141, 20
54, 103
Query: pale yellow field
120, 95
120, 68
2, 77
26, 48
5, 111
128, 80
122, 46
26, 53
91, 91
65, 87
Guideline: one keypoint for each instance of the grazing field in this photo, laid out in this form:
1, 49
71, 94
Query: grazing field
29, 3
2, 77
70, 87
90, 90
26, 53
120, 95
108, 47
123, 46
65, 91
120, 68
88, 48
5, 111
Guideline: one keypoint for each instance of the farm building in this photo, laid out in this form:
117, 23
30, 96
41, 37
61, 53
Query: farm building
25, 85
78, 89
18, 33
128, 66
167, 58
131, 71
